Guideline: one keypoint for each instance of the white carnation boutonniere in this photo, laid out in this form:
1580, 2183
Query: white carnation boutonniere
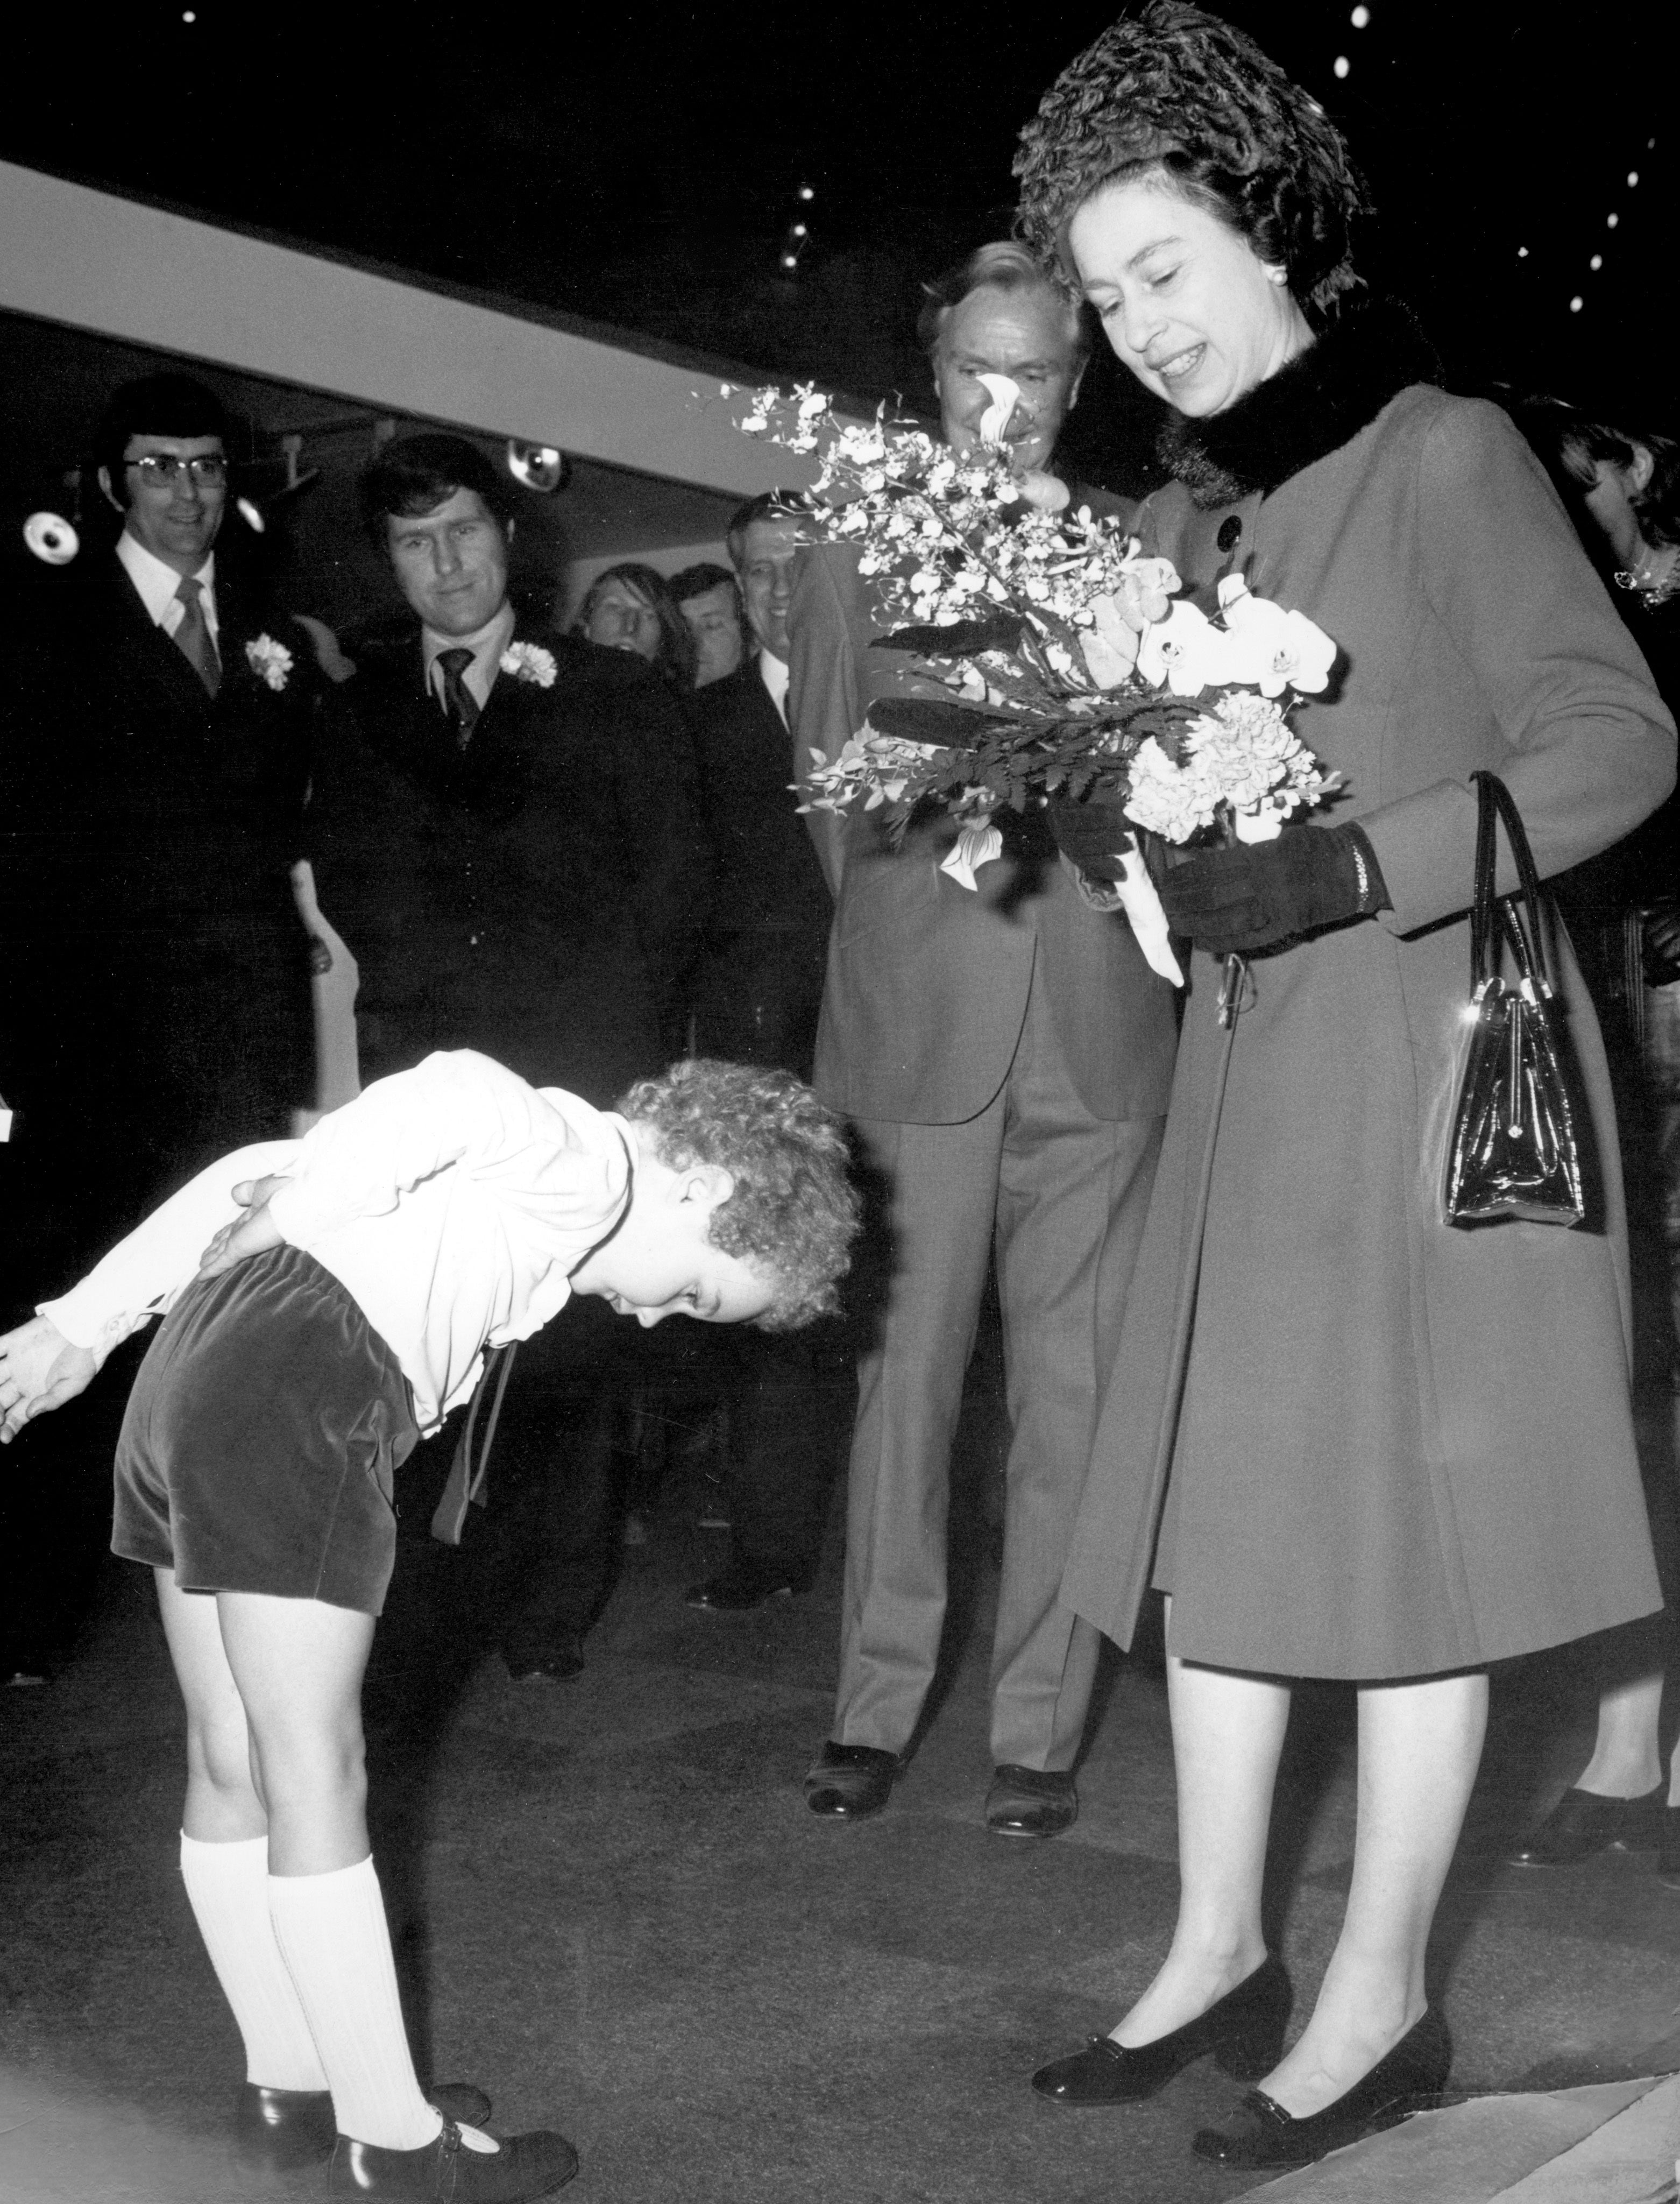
528, 661
270, 661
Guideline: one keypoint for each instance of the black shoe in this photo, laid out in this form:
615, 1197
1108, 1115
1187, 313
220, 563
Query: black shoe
1244, 2031
848, 1781
561, 1657
1668, 1851
276, 2131
740, 1588
1408, 2078
1583, 1823
524, 2165
1031, 1802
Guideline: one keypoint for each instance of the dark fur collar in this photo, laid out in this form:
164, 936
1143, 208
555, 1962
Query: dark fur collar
1319, 402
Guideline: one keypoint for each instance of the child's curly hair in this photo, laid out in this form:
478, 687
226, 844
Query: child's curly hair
1175, 91
794, 1212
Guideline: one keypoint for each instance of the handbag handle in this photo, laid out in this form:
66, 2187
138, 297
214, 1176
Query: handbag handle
1515, 918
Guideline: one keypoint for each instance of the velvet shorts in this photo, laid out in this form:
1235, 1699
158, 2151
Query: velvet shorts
261, 1440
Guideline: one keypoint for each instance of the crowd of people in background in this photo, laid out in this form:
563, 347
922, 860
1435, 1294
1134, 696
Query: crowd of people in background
574, 846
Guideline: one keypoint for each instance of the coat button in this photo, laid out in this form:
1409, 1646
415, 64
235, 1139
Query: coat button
1230, 533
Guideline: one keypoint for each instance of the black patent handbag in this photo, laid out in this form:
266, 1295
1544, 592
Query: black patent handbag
1513, 1148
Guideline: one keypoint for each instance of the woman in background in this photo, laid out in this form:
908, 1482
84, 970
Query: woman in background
629, 606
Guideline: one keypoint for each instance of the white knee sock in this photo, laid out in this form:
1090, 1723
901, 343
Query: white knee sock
228, 1888
332, 1933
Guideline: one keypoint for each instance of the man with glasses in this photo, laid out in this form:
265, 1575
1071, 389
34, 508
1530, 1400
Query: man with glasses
158, 1009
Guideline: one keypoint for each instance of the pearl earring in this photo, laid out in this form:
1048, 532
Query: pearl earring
1277, 274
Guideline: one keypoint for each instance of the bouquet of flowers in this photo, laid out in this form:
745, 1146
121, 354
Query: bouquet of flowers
1052, 659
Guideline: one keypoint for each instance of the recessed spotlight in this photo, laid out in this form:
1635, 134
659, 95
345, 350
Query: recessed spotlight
1633, 179
1610, 220
1340, 66
1522, 252
1576, 302
1596, 262
1359, 17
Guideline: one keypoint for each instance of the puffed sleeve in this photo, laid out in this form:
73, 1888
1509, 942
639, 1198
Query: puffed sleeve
1589, 745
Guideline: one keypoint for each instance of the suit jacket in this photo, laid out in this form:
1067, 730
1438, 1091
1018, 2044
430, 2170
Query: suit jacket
927, 981
535, 896
149, 832
760, 977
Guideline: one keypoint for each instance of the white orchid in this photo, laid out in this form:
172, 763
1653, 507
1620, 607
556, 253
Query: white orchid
1274, 649
1005, 396
1185, 650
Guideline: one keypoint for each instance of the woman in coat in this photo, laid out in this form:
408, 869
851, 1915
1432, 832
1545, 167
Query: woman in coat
1400, 1451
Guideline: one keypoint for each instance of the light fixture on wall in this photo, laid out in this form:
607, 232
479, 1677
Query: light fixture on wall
54, 540
51, 538
537, 467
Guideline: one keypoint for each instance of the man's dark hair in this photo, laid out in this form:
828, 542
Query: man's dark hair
698, 580
154, 406
417, 474
1007, 266
768, 505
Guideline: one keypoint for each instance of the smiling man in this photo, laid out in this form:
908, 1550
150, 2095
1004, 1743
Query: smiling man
1005, 1054
504, 834
994, 313
157, 1006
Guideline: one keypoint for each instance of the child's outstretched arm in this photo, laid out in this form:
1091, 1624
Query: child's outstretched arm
40, 1369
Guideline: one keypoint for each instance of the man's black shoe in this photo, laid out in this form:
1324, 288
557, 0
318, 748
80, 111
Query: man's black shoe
846, 1782
562, 1657
1031, 1802
739, 1588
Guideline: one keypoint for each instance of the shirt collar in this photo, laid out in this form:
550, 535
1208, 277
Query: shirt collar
773, 673
156, 583
486, 644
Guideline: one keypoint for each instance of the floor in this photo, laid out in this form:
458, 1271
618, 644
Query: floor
613, 1910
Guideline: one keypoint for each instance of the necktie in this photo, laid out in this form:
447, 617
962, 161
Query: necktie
193, 637
460, 706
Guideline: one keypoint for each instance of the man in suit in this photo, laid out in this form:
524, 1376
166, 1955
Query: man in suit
757, 993
158, 1008
1005, 1057
504, 834
709, 598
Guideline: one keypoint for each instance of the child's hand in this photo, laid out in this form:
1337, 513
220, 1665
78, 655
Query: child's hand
248, 1234
40, 1369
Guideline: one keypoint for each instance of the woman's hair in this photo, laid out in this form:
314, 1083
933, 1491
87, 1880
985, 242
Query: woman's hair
675, 657
1570, 444
1174, 93
794, 1213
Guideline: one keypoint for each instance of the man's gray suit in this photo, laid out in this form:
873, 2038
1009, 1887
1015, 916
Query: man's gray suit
1006, 1056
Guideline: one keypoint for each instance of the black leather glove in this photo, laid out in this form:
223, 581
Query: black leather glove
1262, 892
1091, 832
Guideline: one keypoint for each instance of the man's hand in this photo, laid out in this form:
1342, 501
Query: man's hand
40, 1369
249, 1234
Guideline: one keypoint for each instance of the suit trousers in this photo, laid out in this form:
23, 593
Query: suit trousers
1060, 1197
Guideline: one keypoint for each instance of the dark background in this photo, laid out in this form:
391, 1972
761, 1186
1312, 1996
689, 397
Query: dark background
639, 165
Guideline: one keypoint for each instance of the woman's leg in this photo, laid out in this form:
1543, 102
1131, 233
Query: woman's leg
1419, 1747
1625, 1762
1228, 1732
224, 1851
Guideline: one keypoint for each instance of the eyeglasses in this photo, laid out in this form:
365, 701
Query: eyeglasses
161, 470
